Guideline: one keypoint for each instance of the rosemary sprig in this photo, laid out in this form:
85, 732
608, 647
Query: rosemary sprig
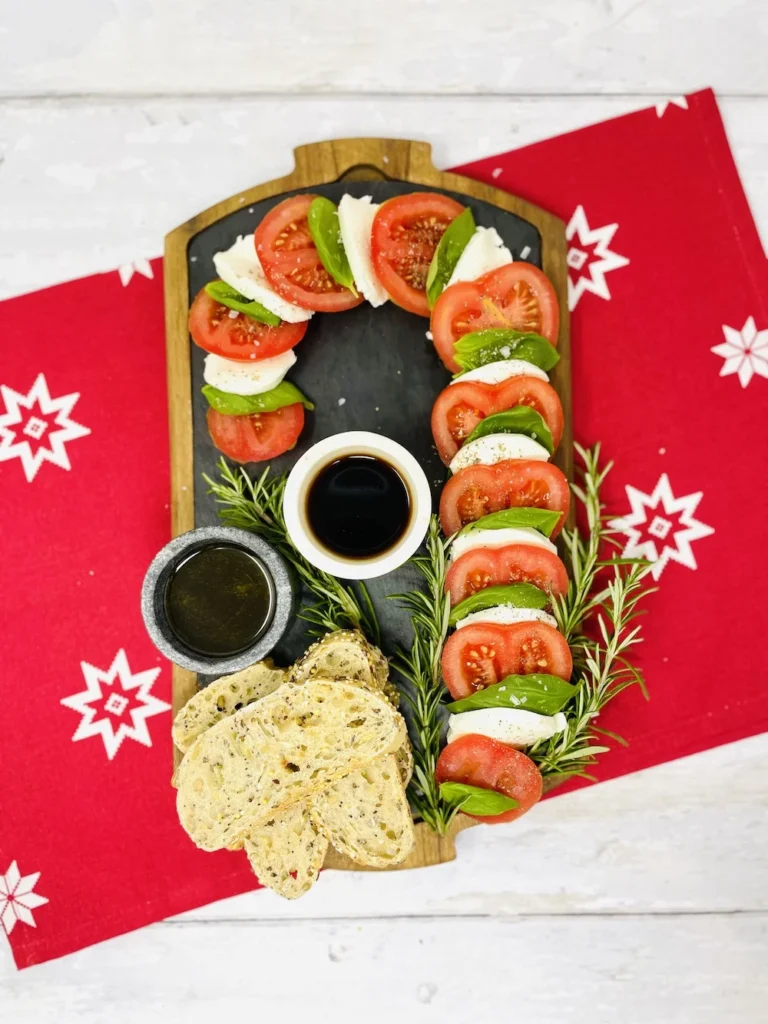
601, 663
258, 506
420, 666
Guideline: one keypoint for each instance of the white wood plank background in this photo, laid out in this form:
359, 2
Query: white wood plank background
644, 899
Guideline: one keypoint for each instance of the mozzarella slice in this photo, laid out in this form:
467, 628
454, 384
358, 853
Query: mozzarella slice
505, 615
512, 726
503, 369
485, 251
498, 448
356, 221
239, 378
240, 267
500, 539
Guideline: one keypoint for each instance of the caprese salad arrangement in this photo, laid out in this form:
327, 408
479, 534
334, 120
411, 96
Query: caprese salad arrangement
424, 252
501, 623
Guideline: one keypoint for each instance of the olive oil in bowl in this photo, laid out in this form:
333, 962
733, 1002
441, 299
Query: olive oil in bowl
219, 600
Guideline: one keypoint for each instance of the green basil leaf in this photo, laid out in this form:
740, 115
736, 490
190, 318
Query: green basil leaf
519, 420
481, 347
542, 519
449, 249
221, 292
474, 800
245, 405
544, 694
516, 595
323, 219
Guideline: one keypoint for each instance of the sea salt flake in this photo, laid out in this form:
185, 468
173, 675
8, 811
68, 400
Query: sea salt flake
342, 401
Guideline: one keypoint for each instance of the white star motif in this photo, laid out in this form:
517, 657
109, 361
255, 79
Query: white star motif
745, 352
602, 260
667, 509
14, 443
127, 270
126, 691
676, 101
18, 899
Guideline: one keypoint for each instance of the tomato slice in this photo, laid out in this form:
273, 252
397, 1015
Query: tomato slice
477, 490
516, 563
480, 761
259, 437
460, 407
484, 653
404, 237
518, 295
240, 337
291, 262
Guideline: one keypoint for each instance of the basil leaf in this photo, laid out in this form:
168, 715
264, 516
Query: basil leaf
221, 292
449, 249
245, 405
474, 800
481, 347
516, 595
542, 519
519, 420
323, 219
544, 694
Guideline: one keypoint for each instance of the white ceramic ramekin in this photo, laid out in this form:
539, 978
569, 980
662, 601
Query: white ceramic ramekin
356, 442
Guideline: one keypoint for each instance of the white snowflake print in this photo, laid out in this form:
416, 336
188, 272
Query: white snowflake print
18, 898
675, 101
127, 270
661, 527
116, 704
36, 427
589, 259
745, 352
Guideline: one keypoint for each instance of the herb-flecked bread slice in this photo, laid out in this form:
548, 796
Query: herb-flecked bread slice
224, 697
404, 757
287, 852
247, 768
366, 815
346, 654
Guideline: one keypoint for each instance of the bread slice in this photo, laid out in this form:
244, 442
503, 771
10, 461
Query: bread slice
366, 815
298, 740
287, 852
404, 758
224, 697
346, 654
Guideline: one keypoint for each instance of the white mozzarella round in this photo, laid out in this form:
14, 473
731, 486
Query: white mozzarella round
355, 224
500, 539
240, 268
239, 378
494, 448
506, 615
484, 252
512, 726
501, 370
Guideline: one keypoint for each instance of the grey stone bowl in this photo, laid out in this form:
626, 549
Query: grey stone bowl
164, 564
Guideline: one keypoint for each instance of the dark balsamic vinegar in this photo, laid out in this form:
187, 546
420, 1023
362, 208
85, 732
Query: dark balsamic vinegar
358, 506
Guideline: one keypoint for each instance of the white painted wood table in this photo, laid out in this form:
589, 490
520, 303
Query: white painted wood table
640, 900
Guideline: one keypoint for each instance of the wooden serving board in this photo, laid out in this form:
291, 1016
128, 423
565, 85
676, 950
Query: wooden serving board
365, 369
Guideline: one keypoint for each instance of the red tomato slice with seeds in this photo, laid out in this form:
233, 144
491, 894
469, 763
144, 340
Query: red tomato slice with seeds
518, 295
484, 653
460, 407
405, 234
291, 262
515, 483
240, 337
516, 563
259, 437
480, 761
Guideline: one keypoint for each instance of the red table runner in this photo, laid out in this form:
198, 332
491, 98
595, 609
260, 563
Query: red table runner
669, 299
